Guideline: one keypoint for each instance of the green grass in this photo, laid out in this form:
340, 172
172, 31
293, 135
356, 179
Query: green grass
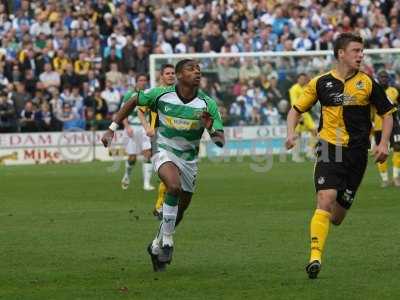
70, 232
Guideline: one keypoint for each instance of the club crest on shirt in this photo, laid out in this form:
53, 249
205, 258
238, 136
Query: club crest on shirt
329, 84
360, 85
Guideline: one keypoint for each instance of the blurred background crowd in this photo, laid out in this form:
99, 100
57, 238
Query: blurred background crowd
66, 64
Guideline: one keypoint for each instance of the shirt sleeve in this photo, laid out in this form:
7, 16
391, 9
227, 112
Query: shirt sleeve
379, 99
212, 109
308, 98
127, 96
393, 95
149, 97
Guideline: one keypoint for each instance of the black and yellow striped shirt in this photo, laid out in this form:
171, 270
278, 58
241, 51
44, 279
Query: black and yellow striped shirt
345, 107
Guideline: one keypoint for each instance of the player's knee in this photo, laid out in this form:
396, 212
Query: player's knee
336, 221
174, 189
326, 199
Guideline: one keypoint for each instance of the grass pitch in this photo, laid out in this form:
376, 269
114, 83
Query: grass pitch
70, 232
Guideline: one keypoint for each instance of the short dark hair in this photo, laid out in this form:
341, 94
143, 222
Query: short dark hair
179, 66
383, 73
140, 75
343, 40
166, 66
301, 74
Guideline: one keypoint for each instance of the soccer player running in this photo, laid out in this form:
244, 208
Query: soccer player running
306, 122
167, 78
136, 139
392, 94
184, 112
346, 95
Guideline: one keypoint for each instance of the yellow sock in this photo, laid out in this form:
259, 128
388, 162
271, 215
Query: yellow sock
383, 170
396, 164
382, 167
319, 231
161, 195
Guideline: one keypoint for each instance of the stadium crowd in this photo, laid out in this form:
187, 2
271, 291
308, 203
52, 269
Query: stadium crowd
66, 64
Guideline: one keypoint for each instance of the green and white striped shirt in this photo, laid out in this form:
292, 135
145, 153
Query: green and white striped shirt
180, 128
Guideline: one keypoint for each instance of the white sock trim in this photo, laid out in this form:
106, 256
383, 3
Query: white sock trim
384, 176
396, 172
168, 223
147, 172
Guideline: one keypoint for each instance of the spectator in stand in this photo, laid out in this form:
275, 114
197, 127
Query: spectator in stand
302, 43
55, 103
227, 72
44, 119
40, 97
237, 112
77, 101
269, 114
112, 98
67, 117
60, 62
69, 78
114, 76
19, 97
274, 95
49, 77
249, 70
40, 25
27, 118
82, 66
93, 82
7, 114
96, 111
30, 82
141, 61
128, 55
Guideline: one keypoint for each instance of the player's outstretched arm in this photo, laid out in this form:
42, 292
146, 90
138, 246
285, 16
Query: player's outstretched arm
381, 151
123, 113
292, 121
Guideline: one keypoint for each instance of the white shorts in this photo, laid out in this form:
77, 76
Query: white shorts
188, 169
139, 142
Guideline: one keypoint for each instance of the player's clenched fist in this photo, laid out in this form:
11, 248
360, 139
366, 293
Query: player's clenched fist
107, 138
290, 141
380, 153
206, 120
